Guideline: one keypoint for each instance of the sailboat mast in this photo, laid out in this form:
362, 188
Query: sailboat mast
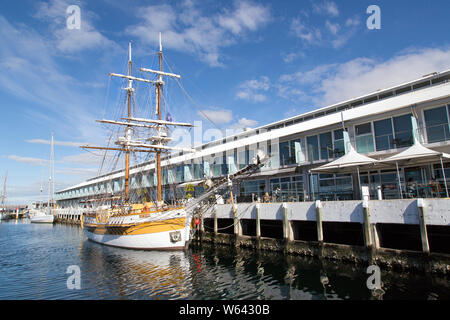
4, 191
128, 130
51, 186
158, 153
42, 189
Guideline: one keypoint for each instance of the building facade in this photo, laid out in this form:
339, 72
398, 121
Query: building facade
379, 125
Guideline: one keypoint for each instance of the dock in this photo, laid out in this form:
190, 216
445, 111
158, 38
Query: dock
408, 234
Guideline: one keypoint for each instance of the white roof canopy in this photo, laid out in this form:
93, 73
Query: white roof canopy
415, 154
350, 160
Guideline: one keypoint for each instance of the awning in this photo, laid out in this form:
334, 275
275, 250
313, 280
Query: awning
416, 153
347, 163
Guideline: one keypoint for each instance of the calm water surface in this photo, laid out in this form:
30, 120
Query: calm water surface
34, 259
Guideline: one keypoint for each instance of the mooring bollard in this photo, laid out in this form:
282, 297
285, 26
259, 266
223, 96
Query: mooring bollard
423, 226
367, 229
319, 221
237, 226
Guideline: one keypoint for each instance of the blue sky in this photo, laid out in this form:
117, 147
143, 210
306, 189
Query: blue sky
244, 63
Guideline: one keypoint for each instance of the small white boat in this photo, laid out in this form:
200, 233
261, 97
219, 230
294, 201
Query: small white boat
42, 218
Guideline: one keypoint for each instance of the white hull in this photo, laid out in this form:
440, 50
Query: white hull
148, 241
166, 230
42, 219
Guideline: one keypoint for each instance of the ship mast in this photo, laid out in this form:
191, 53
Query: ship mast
158, 153
128, 129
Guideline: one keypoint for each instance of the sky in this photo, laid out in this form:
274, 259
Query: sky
243, 64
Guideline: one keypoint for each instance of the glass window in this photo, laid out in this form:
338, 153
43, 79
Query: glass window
383, 134
363, 129
389, 185
297, 154
284, 153
180, 174
403, 131
198, 171
312, 145
436, 123
339, 149
326, 146
291, 152
257, 187
364, 138
332, 187
217, 167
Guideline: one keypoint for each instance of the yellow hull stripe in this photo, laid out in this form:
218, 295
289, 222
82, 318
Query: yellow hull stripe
143, 228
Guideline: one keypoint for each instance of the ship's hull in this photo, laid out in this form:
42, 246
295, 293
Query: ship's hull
166, 234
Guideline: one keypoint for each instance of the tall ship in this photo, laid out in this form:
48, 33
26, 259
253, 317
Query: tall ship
130, 221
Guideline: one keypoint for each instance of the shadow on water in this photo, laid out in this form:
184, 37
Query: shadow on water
34, 261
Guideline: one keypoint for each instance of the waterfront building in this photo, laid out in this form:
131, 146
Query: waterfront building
378, 125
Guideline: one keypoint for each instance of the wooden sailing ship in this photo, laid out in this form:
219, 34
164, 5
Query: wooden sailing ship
151, 225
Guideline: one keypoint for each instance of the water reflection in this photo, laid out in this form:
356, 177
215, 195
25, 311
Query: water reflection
34, 259
123, 274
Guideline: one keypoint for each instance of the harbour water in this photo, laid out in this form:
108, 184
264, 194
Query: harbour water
35, 260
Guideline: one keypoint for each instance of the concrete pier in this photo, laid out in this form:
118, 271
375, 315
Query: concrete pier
405, 234
69, 215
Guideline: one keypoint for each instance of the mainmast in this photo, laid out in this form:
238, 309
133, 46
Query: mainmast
159, 85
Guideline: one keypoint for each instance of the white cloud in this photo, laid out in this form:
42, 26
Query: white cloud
29, 160
310, 35
79, 172
186, 28
218, 116
328, 84
57, 143
245, 16
242, 124
315, 33
289, 57
332, 27
352, 22
253, 90
328, 8
87, 158
75, 40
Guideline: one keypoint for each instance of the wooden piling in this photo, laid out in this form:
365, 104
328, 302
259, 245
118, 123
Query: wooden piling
215, 221
258, 221
375, 237
319, 221
287, 229
423, 225
367, 228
